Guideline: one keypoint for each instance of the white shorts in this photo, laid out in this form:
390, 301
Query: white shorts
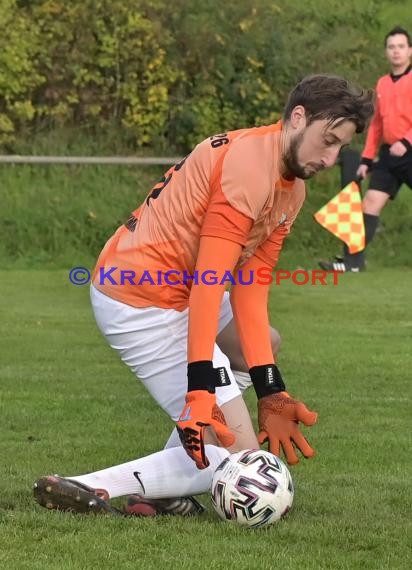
153, 343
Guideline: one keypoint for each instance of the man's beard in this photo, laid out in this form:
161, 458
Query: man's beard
292, 166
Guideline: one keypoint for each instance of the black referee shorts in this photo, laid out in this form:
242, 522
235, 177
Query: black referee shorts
390, 172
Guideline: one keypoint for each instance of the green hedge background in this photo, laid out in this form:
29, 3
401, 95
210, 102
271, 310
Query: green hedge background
151, 77
165, 73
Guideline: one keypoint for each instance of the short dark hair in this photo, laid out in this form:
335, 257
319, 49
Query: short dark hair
331, 97
398, 30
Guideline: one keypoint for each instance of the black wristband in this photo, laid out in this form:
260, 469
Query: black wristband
266, 380
201, 376
406, 144
367, 162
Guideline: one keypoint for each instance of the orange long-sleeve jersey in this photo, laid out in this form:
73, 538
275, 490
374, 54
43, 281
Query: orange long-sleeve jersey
230, 188
392, 120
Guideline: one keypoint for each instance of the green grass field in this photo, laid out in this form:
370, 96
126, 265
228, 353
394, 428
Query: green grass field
68, 405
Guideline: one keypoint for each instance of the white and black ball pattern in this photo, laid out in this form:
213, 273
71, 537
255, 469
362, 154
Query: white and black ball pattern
253, 488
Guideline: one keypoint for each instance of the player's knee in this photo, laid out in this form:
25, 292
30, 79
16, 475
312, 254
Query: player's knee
374, 201
369, 201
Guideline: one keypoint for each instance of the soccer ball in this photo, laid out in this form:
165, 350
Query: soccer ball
253, 488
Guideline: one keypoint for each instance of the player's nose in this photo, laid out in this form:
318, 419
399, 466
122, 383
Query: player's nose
330, 157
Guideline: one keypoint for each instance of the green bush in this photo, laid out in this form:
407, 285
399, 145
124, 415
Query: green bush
93, 76
167, 74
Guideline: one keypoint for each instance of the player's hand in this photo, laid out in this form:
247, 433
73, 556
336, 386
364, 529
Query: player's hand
200, 411
362, 171
397, 149
279, 416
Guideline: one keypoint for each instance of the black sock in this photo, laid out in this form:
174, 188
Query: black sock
349, 164
358, 259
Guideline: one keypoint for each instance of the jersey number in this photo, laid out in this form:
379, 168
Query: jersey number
217, 140
164, 181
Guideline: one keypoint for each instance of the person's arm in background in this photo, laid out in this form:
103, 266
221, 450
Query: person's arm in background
373, 140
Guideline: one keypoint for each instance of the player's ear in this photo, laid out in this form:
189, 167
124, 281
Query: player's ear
298, 117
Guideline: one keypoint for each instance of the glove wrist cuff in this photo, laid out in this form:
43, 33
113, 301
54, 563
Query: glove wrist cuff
201, 376
266, 380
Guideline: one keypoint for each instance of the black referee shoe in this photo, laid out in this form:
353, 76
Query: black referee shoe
340, 265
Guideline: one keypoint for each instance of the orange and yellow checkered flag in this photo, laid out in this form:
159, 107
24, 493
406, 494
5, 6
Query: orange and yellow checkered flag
343, 217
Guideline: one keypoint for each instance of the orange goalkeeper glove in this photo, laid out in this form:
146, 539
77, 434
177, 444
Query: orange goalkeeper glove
200, 411
279, 415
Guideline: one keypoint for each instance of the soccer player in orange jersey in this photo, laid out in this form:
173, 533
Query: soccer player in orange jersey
390, 131
219, 216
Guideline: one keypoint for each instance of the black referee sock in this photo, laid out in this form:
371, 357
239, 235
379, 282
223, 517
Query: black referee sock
358, 259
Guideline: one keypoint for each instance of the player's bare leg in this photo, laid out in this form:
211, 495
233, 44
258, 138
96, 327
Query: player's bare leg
229, 343
239, 422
